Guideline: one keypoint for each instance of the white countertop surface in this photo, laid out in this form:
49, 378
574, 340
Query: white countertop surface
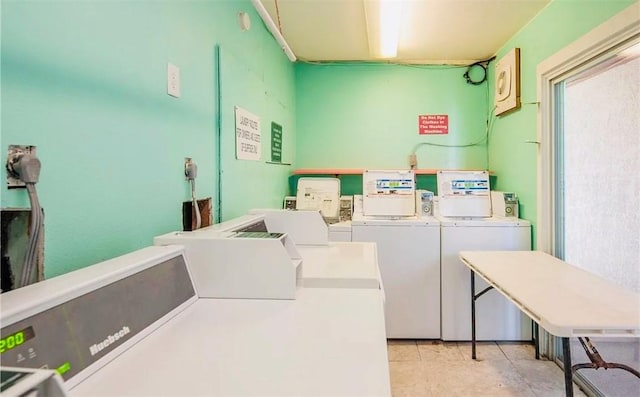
340, 265
327, 342
564, 299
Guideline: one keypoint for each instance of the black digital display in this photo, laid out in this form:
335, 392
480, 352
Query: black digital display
16, 339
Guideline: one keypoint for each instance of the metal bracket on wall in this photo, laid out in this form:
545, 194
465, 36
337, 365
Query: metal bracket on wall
14, 153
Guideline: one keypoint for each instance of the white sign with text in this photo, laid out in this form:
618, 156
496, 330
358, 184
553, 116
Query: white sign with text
248, 137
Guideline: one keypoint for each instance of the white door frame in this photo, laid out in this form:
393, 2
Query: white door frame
622, 28
610, 35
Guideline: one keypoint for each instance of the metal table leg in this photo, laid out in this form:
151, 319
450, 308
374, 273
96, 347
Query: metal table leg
568, 372
474, 297
536, 340
473, 315
597, 361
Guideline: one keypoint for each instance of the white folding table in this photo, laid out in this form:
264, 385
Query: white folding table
563, 299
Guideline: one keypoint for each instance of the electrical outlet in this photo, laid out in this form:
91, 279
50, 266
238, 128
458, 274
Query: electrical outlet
173, 80
190, 169
413, 161
14, 152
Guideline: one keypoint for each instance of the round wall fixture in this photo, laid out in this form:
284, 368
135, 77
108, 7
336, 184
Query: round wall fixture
244, 21
479, 73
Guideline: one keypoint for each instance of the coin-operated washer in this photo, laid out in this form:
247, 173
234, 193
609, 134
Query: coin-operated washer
465, 214
408, 253
135, 326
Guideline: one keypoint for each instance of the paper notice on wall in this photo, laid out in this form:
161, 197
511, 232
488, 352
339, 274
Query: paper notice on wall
248, 137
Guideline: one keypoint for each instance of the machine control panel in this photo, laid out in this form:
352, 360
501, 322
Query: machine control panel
258, 235
424, 203
504, 204
290, 203
73, 335
29, 382
464, 194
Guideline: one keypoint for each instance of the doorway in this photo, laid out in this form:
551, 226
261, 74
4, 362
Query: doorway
597, 159
587, 164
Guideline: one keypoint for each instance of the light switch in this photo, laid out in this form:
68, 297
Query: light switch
173, 80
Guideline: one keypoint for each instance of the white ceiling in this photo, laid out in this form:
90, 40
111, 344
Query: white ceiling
433, 31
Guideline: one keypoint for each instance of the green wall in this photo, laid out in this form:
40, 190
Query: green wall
85, 81
512, 159
366, 116
253, 184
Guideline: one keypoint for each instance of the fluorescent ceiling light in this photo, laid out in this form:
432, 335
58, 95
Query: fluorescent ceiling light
384, 19
631, 52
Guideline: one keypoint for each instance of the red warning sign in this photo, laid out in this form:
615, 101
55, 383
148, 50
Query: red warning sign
433, 124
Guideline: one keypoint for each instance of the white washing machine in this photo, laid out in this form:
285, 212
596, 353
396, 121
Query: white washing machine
496, 317
409, 261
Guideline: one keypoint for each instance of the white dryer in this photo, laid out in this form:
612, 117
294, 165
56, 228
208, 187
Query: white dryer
409, 261
496, 317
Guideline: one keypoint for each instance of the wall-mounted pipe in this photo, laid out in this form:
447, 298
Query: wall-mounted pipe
257, 4
218, 85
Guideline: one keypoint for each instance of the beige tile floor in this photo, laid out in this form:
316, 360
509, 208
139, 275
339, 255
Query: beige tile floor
434, 368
